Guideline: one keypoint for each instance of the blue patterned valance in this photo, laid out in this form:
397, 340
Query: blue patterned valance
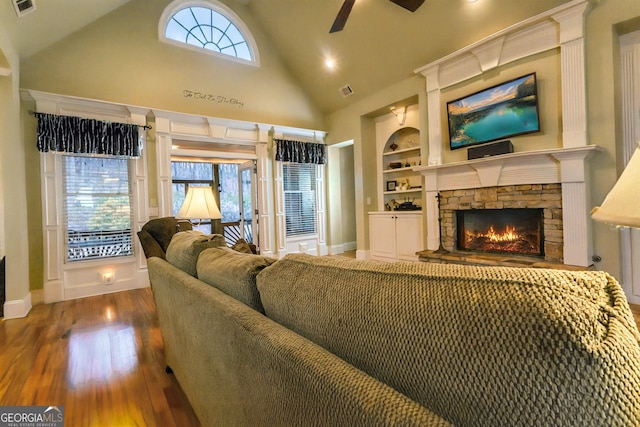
67, 134
300, 152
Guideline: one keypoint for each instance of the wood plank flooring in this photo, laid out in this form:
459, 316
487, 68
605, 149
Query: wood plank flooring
101, 358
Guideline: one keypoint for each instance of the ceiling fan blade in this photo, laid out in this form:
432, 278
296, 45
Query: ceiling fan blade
411, 5
343, 14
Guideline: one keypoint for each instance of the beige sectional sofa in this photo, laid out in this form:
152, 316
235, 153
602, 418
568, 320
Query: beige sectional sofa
333, 342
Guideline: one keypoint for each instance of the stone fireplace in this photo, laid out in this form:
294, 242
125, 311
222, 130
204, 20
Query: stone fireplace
515, 219
552, 180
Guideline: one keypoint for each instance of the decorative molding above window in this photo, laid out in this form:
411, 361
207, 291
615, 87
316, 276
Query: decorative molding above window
208, 26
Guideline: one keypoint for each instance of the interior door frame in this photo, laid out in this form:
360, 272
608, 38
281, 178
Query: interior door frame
251, 166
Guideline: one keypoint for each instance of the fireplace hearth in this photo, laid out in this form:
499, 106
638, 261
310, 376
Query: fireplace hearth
506, 231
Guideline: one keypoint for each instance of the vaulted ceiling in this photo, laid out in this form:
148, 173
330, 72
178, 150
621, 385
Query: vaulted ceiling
380, 45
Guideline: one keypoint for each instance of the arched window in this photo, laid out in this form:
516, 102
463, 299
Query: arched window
208, 26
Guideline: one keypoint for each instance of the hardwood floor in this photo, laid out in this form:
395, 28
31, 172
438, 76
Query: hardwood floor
100, 357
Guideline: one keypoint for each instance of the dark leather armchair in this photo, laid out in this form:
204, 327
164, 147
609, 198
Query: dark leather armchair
156, 234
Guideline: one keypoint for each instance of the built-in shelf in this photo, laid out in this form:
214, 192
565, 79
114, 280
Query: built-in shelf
411, 190
403, 150
407, 168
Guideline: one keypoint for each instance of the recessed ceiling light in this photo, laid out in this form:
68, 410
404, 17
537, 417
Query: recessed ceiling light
329, 63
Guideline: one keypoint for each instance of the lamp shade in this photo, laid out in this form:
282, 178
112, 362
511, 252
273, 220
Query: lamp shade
199, 204
622, 205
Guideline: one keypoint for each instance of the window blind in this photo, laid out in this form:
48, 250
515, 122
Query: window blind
300, 198
97, 210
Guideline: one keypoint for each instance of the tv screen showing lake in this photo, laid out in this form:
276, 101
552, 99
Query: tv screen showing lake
505, 110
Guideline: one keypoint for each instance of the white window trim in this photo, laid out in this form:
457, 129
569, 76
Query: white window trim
177, 5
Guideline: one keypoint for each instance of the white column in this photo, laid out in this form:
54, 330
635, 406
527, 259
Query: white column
576, 205
572, 58
140, 185
431, 208
163, 166
433, 102
321, 219
265, 200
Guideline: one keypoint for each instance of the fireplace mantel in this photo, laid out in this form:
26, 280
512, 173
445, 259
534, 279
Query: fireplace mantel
525, 167
567, 166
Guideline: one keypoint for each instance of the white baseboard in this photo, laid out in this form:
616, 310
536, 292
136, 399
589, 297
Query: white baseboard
340, 249
53, 291
17, 309
350, 246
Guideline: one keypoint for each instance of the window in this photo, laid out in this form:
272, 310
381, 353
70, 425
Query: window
186, 174
210, 27
97, 207
300, 198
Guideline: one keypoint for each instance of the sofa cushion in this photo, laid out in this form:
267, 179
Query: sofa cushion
234, 273
185, 247
476, 345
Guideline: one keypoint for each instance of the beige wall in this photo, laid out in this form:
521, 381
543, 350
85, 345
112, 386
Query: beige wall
120, 59
603, 23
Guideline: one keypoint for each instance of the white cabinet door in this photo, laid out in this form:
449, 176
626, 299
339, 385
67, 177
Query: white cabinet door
382, 233
409, 236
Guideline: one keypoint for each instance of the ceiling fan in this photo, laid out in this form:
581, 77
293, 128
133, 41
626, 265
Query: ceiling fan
345, 10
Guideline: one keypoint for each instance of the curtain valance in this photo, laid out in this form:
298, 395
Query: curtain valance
300, 152
76, 135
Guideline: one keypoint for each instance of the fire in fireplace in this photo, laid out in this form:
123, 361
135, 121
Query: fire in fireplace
513, 231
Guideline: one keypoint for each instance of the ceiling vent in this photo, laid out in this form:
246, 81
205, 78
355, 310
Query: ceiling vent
23, 7
346, 91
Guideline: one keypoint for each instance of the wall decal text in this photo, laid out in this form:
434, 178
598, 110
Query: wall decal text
218, 99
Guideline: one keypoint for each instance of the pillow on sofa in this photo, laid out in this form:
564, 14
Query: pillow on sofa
234, 273
150, 246
185, 247
242, 246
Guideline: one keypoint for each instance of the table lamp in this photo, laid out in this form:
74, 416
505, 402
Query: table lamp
199, 203
621, 207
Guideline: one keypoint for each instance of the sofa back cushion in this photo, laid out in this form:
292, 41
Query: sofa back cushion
234, 273
185, 247
476, 345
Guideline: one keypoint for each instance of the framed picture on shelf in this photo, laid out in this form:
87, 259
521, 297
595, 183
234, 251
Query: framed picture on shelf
391, 185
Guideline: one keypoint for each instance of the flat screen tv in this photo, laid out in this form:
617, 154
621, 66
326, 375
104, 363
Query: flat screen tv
499, 112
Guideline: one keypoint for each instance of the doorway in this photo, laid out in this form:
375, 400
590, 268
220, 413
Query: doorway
233, 185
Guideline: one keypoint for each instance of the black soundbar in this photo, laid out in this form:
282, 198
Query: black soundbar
488, 150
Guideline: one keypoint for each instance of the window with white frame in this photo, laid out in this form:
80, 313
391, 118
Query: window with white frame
299, 182
208, 26
97, 205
